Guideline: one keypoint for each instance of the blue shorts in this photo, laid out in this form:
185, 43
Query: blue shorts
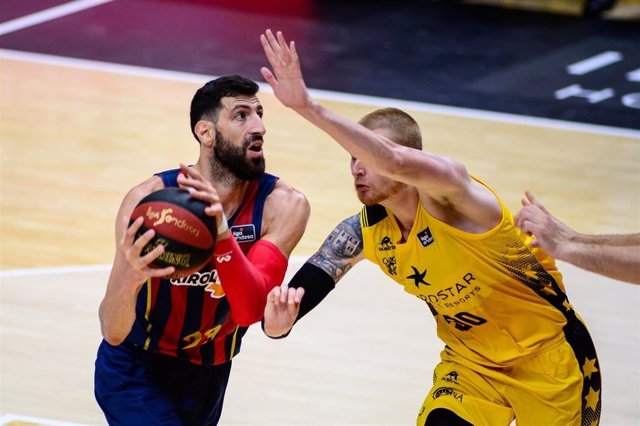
137, 387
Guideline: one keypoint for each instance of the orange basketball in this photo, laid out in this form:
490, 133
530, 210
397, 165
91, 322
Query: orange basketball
181, 225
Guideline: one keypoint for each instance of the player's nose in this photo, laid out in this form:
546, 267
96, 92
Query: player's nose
357, 167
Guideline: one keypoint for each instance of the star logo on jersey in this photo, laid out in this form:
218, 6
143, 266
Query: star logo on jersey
418, 277
589, 367
451, 377
592, 399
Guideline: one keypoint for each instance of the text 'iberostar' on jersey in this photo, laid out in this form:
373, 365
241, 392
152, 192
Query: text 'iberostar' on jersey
505, 300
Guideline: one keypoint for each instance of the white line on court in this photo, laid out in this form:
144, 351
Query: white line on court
48, 15
8, 418
595, 62
324, 94
634, 75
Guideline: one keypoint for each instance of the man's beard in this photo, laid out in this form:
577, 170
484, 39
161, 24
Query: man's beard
229, 159
382, 193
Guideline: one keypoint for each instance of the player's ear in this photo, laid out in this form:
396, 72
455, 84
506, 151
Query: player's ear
205, 131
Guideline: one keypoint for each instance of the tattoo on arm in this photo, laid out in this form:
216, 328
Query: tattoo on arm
341, 250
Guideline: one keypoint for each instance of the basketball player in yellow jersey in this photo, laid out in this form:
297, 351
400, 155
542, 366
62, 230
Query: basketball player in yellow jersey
514, 346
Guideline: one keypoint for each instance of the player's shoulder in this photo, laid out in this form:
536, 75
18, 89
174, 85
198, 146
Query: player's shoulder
141, 190
373, 214
283, 191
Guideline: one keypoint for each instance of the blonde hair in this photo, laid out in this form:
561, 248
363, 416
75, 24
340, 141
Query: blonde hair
403, 127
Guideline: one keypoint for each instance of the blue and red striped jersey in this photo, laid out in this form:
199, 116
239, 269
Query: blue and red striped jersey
189, 317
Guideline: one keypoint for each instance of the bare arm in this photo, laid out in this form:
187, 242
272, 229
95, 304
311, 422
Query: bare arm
286, 215
316, 278
615, 256
129, 270
438, 178
375, 149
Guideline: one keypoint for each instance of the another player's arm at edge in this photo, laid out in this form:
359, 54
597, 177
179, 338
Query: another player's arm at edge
341, 250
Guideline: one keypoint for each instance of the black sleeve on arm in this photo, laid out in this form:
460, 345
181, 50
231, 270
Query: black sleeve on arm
316, 283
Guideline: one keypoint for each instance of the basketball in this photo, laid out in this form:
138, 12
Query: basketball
181, 225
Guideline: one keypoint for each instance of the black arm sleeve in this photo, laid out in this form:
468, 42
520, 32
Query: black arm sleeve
316, 283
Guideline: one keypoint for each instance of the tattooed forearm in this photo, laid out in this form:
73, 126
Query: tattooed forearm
341, 250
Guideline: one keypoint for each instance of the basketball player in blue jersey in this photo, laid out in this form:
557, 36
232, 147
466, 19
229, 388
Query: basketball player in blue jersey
168, 343
514, 346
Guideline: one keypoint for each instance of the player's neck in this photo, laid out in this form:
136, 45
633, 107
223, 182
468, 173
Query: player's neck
232, 196
231, 190
403, 206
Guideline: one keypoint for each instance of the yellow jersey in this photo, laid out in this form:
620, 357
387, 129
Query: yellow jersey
494, 297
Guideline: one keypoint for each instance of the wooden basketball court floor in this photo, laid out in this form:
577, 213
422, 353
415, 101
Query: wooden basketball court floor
75, 135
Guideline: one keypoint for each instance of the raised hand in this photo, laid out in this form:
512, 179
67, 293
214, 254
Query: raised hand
550, 233
286, 79
281, 311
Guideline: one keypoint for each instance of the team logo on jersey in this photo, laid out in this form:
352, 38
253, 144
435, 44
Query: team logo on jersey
208, 280
390, 263
418, 277
244, 233
447, 391
386, 244
425, 237
451, 377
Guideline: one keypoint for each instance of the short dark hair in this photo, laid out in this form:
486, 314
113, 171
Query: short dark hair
404, 128
206, 101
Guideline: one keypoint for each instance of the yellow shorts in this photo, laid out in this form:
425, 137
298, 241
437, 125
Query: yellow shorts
560, 385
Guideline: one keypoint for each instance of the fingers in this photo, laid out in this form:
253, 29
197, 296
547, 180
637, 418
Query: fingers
533, 200
530, 196
531, 228
272, 48
129, 235
155, 272
269, 77
133, 250
274, 295
276, 49
189, 178
200, 188
135, 246
522, 215
284, 295
268, 50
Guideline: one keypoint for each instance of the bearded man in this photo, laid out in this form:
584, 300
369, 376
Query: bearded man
168, 343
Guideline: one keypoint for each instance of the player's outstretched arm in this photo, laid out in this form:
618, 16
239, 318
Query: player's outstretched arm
285, 78
444, 179
615, 256
316, 278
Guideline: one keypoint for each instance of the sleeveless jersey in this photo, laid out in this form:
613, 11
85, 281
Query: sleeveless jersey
189, 317
494, 297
